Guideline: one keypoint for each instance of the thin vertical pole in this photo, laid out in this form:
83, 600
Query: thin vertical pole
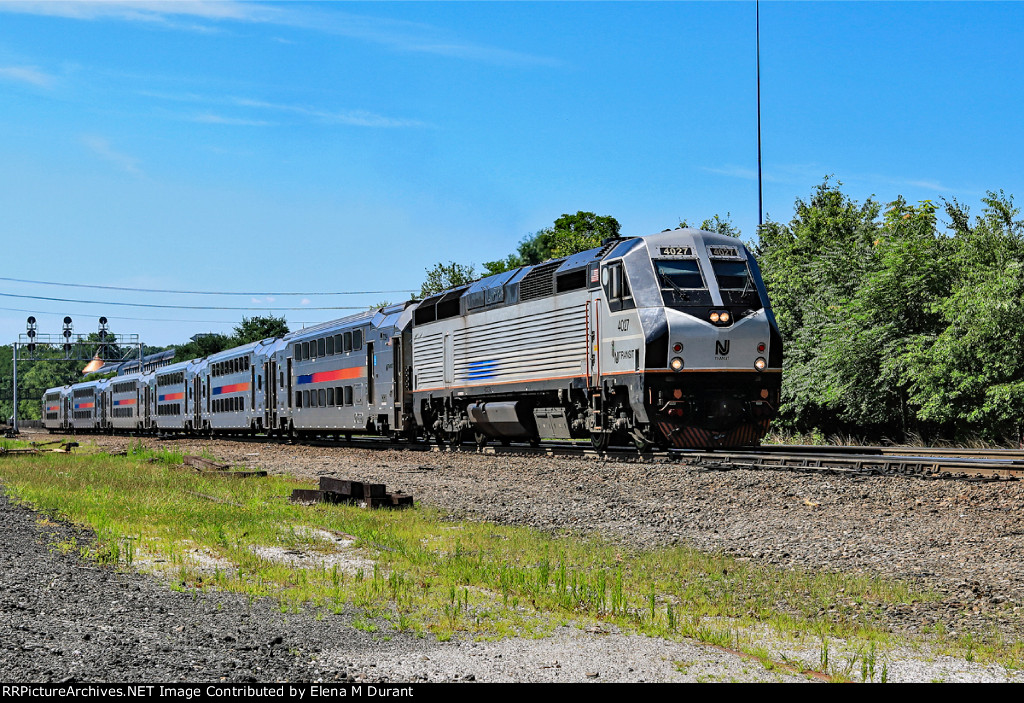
14, 422
760, 205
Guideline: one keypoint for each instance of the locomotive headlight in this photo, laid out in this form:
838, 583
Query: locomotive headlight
677, 364
760, 363
714, 317
724, 317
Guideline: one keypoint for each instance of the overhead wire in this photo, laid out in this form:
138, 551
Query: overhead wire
185, 307
201, 292
147, 319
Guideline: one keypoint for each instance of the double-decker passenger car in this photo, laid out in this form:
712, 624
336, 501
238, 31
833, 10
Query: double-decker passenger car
340, 377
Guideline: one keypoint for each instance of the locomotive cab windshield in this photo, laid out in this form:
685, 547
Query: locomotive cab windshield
736, 283
682, 282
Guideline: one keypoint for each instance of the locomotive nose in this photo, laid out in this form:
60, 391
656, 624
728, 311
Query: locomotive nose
723, 411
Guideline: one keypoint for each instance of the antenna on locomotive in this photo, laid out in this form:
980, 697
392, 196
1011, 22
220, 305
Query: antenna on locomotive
757, 40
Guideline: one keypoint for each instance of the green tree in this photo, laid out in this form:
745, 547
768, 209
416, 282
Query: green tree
582, 231
444, 276
569, 234
49, 370
201, 346
510, 262
812, 268
968, 375
716, 224
256, 328
894, 327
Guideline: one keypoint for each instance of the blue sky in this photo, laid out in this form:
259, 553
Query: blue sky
330, 147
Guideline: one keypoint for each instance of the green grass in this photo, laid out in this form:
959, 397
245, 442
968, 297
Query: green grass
14, 444
415, 571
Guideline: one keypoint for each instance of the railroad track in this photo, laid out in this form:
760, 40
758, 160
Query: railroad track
980, 465
924, 462
904, 462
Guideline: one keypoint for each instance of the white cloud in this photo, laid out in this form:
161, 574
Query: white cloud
305, 301
929, 185
27, 74
357, 118
133, 10
234, 121
733, 171
101, 147
398, 35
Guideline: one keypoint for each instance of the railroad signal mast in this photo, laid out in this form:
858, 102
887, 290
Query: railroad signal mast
105, 347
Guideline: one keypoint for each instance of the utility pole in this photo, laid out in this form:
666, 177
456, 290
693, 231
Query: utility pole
14, 421
757, 32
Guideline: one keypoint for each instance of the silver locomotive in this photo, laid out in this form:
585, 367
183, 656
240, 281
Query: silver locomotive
666, 340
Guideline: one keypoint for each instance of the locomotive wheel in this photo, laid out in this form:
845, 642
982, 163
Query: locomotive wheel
600, 440
481, 439
534, 441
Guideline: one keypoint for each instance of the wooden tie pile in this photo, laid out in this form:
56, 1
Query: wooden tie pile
335, 490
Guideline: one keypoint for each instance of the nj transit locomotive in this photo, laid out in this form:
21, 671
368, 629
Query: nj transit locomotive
663, 340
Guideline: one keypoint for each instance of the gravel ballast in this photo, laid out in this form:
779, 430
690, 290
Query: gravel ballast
62, 617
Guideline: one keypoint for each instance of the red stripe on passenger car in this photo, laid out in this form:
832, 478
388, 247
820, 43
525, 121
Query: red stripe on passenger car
233, 388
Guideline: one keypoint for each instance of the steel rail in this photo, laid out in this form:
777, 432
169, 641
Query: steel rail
980, 465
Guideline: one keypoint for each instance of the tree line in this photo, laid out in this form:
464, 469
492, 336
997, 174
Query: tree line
899, 321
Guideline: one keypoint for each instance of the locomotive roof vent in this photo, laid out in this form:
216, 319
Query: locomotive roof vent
539, 282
